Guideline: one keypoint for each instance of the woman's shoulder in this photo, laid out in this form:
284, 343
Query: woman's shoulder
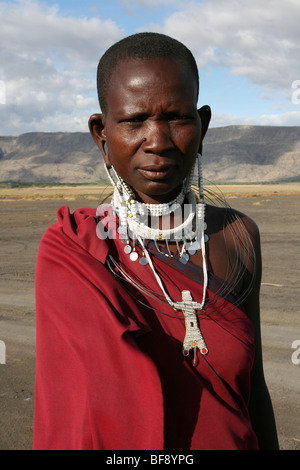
75, 231
234, 235
228, 218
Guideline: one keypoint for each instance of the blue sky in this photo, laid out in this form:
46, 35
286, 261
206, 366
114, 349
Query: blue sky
247, 53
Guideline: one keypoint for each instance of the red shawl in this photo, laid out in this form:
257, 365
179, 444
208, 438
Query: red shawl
110, 373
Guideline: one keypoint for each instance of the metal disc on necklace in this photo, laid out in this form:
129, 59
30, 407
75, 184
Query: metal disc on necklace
134, 256
206, 238
127, 249
184, 258
191, 250
195, 246
143, 261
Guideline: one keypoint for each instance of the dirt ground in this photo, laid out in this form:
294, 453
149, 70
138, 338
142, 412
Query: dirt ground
24, 216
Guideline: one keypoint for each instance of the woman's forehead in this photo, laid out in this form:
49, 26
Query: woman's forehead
142, 75
138, 66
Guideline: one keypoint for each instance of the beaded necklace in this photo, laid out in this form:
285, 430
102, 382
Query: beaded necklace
133, 230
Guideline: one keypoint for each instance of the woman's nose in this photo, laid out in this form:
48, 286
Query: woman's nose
157, 138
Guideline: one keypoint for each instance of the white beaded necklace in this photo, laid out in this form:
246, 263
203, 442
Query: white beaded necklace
139, 228
123, 193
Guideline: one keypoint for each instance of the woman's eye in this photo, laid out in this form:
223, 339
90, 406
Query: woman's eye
179, 117
183, 117
135, 119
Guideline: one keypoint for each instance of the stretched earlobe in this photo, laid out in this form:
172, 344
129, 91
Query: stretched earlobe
205, 117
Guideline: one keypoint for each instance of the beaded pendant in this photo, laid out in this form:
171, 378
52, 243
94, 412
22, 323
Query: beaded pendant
193, 336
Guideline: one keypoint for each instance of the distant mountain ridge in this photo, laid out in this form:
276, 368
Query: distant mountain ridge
231, 154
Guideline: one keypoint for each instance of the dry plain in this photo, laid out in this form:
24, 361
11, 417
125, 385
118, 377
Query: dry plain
25, 215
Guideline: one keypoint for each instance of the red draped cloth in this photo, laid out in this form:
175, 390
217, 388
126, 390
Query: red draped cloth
110, 373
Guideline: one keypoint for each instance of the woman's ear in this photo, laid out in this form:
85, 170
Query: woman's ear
205, 117
97, 130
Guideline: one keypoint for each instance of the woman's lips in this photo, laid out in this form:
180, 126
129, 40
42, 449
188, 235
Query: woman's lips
155, 173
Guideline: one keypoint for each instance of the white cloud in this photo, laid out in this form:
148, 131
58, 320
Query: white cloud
48, 64
151, 4
48, 61
257, 40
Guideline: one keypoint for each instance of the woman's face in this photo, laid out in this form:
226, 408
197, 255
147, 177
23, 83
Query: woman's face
152, 128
